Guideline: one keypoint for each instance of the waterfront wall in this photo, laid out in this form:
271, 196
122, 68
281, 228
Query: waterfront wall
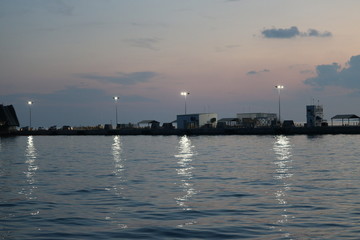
202, 131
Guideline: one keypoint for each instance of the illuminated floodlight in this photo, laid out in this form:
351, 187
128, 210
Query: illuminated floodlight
185, 93
30, 103
279, 87
116, 98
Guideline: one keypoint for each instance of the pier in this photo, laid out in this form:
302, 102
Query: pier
199, 131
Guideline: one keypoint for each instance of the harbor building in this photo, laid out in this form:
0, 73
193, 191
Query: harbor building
314, 115
228, 123
196, 120
256, 119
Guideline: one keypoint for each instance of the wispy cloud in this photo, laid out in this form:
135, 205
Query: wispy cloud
334, 75
253, 72
292, 32
121, 78
316, 33
148, 43
72, 95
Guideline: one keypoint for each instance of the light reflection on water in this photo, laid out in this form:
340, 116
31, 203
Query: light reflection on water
185, 171
119, 168
31, 156
118, 164
283, 160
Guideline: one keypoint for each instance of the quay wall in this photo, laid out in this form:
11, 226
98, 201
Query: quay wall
202, 131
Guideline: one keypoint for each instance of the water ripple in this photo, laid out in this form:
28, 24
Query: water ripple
179, 187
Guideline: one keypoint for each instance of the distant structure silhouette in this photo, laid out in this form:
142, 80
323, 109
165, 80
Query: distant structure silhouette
8, 119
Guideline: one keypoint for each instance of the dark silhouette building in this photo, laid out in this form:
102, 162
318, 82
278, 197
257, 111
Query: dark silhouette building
8, 119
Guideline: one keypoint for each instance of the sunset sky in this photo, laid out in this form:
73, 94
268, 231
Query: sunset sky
72, 56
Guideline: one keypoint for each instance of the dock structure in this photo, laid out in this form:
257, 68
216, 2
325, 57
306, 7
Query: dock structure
197, 124
292, 130
348, 117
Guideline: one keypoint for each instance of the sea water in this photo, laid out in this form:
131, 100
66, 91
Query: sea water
180, 187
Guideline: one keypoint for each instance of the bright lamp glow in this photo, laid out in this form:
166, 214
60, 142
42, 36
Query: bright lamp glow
185, 94
279, 87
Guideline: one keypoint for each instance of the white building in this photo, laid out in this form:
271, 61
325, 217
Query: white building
196, 120
256, 119
314, 115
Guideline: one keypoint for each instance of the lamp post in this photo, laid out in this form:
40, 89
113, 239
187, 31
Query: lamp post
116, 113
279, 87
185, 94
30, 103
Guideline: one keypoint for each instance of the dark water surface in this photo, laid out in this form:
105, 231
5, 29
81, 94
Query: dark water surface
170, 187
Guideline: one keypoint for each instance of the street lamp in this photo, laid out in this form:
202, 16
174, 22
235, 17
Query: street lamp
185, 94
30, 103
279, 87
116, 114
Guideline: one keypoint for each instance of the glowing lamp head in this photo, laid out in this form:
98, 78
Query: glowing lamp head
184, 93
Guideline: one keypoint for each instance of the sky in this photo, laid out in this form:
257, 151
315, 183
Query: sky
71, 57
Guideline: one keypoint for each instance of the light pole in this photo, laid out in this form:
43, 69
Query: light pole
185, 94
116, 114
279, 87
30, 103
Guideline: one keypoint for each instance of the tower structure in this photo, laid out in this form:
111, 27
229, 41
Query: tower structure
314, 115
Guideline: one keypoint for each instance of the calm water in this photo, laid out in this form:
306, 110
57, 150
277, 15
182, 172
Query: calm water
169, 187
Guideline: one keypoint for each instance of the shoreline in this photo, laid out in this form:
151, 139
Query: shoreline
197, 131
